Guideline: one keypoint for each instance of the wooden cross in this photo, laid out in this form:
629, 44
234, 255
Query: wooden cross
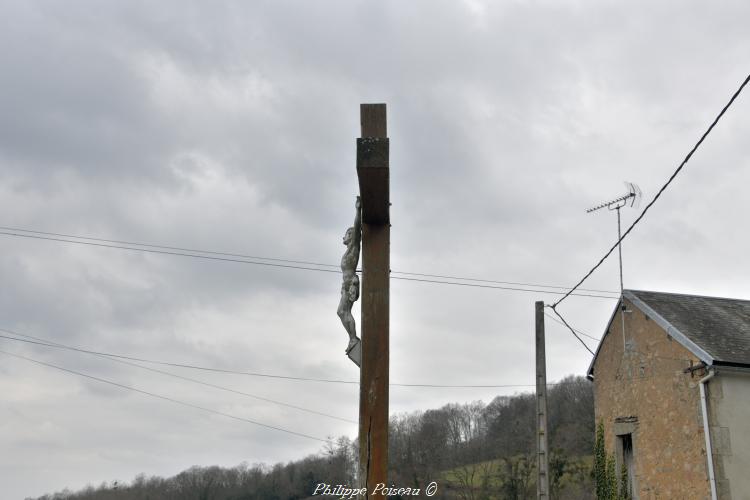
372, 172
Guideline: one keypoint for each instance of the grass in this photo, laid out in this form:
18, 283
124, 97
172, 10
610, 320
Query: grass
490, 478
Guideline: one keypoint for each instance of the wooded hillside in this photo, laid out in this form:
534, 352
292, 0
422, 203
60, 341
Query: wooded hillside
473, 451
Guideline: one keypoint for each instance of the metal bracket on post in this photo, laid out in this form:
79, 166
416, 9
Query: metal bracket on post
355, 353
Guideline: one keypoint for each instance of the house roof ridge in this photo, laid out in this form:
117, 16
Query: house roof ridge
632, 290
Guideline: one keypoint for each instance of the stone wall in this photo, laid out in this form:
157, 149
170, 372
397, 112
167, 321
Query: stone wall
642, 390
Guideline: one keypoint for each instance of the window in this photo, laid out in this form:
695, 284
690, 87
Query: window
625, 442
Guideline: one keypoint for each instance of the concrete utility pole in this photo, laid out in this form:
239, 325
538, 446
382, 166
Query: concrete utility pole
542, 463
372, 171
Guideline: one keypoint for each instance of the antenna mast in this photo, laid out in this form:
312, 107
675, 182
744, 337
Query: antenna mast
634, 195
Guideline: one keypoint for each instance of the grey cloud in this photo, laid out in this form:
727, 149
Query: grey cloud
232, 128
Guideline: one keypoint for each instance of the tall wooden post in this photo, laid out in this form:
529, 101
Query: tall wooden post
542, 463
372, 171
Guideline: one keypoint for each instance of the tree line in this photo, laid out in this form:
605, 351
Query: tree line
473, 451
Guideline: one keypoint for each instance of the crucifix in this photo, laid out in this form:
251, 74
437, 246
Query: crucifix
372, 172
350, 284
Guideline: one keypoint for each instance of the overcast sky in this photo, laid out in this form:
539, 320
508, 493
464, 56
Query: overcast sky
231, 126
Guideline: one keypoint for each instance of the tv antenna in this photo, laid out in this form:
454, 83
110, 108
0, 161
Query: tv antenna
632, 198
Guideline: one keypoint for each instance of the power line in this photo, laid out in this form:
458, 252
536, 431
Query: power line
285, 263
502, 287
234, 372
671, 178
166, 398
577, 330
498, 282
573, 331
180, 365
169, 252
241, 393
45, 343
165, 247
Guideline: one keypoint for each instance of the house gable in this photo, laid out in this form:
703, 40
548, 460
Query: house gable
650, 406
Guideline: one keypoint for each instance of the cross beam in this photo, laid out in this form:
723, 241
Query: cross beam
372, 164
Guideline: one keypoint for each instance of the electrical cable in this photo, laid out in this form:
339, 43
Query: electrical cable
45, 343
503, 288
498, 282
298, 264
648, 355
573, 332
179, 365
671, 178
165, 247
169, 252
166, 398
233, 372
577, 330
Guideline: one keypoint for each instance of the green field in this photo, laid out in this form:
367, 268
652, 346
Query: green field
515, 479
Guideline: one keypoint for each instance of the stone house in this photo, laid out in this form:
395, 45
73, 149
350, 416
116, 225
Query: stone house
668, 368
